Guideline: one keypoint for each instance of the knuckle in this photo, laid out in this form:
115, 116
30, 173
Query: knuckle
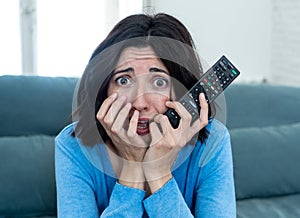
172, 144
115, 129
112, 130
107, 121
99, 116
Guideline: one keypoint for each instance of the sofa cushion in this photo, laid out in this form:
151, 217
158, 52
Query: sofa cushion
35, 105
256, 105
275, 207
266, 160
27, 176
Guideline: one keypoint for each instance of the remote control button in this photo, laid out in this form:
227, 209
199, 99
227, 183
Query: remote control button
224, 62
222, 66
229, 67
234, 72
193, 104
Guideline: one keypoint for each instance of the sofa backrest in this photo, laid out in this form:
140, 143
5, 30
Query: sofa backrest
257, 105
263, 121
33, 111
35, 105
264, 124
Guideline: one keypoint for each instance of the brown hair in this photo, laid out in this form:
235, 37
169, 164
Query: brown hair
171, 42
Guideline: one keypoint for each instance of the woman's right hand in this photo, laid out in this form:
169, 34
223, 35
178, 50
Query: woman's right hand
128, 148
114, 117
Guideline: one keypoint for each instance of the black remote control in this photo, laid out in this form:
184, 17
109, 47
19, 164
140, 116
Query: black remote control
212, 84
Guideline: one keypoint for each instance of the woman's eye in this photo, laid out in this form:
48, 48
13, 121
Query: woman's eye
123, 81
160, 82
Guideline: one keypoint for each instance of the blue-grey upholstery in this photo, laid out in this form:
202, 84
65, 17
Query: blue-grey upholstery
263, 121
33, 110
264, 124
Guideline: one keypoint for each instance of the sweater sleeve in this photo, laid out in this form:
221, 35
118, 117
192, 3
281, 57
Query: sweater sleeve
167, 202
215, 189
125, 202
213, 195
77, 188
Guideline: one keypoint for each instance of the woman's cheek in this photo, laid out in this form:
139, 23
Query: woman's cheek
159, 102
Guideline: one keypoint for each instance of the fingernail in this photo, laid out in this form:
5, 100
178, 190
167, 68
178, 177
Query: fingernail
122, 97
136, 113
113, 96
202, 96
128, 105
155, 118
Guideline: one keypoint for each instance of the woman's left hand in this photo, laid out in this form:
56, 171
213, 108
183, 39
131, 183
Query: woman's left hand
165, 145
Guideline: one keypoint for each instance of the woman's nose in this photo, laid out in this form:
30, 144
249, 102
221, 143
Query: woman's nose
140, 100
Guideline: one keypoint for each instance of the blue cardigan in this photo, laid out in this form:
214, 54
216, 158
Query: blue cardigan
202, 183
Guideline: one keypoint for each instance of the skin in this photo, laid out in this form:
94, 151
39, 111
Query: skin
141, 153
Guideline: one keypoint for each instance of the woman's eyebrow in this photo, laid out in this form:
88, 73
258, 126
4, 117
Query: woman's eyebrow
127, 70
155, 69
130, 70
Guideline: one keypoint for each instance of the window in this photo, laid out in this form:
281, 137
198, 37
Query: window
10, 44
66, 33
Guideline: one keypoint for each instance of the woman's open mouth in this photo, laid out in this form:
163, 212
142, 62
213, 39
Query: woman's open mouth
143, 126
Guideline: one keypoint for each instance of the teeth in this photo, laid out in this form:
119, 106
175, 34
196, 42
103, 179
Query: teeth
143, 124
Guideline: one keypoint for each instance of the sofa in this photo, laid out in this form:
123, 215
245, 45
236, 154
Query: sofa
263, 121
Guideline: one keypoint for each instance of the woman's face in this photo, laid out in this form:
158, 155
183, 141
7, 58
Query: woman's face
145, 81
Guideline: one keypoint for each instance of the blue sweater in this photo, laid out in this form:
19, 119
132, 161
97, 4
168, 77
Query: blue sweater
202, 183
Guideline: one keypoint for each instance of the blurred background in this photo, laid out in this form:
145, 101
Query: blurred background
57, 37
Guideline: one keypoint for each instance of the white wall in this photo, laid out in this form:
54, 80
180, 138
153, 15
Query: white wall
239, 29
285, 59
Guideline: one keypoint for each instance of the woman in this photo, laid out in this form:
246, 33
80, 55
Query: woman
122, 157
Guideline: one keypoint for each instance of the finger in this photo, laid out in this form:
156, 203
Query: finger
164, 123
119, 122
203, 111
133, 137
113, 111
202, 121
203, 118
167, 133
132, 128
105, 106
155, 133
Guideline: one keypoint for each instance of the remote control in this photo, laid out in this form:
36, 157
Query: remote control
212, 84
